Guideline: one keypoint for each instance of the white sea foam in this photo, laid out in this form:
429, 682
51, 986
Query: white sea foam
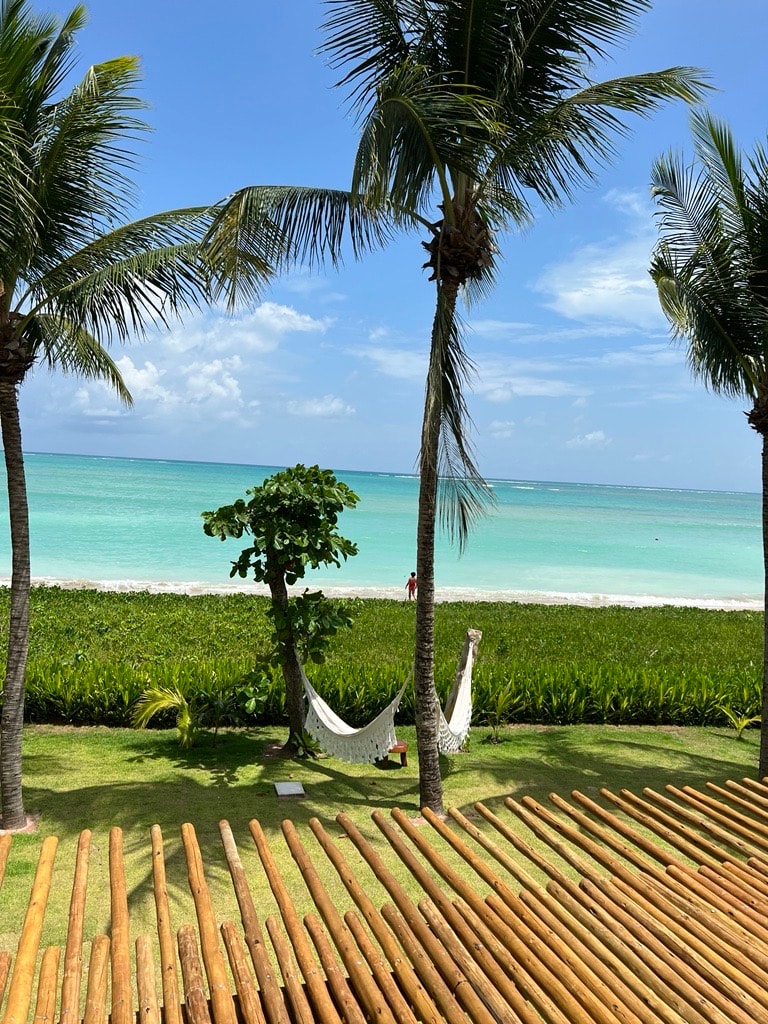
455, 594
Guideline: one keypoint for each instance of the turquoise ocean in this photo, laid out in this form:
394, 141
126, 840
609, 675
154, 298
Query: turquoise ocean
135, 523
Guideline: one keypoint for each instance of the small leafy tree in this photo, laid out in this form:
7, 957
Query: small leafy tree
291, 519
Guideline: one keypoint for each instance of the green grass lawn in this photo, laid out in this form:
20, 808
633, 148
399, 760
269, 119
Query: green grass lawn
97, 778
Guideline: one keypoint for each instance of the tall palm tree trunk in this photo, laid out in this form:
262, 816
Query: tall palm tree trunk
290, 665
425, 695
762, 769
12, 720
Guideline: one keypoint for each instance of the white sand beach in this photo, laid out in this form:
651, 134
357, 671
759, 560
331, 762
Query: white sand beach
588, 600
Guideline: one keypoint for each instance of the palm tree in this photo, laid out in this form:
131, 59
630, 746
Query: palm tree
470, 107
711, 271
73, 274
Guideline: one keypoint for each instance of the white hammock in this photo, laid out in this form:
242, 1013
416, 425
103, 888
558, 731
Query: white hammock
372, 742
453, 725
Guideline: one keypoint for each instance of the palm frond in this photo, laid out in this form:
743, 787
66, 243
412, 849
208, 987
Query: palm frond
68, 347
463, 495
724, 334
711, 264
373, 36
140, 275
81, 154
420, 134
716, 152
691, 218
274, 226
562, 147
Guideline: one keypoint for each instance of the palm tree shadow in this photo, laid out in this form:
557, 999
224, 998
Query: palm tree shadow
562, 763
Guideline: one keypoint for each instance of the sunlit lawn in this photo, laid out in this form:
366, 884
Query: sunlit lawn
99, 778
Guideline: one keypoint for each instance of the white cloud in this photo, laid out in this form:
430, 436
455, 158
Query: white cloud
609, 280
259, 331
402, 364
595, 439
213, 382
651, 354
83, 403
500, 330
501, 381
144, 381
501, 428
327, 407
604, 282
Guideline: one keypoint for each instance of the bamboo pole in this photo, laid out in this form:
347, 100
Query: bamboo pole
274, 1005
748, 876
436, 969
122, 999
245, 986
537, 954
750, 790
223, 1009
168, 971
596, 942
378, 967
715, 813
418, 997
531, 811
294, 988
673, 963
588, 968
620, 950
492, 947
448, 998
149, 1010
343, 996
313, 975
671, 815
45, 1006
69, 1010
98, 974
631, 949
195, 1001
5, 967
732, 963
687, 886
738, 886
5, 849
358, 973
710, 892
753, 805
672, 831
20, 989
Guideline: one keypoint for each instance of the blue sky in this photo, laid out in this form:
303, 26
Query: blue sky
576, 377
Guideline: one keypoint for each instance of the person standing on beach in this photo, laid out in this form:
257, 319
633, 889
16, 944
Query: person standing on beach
411, 586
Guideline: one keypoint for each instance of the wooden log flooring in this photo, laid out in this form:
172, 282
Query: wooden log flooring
627, 909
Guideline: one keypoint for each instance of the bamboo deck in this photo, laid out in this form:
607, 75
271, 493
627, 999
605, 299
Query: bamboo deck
634, 909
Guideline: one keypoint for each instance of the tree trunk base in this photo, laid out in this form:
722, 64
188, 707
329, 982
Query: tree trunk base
33, 820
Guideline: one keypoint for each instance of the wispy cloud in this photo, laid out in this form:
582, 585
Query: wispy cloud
327, 407
609, 280
595, 439
260, 331
400, 363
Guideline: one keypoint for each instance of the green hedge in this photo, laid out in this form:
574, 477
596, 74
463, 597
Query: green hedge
92, 654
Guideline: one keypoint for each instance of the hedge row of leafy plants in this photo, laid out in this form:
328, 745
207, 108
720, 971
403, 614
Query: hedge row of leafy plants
227, 692
94, 654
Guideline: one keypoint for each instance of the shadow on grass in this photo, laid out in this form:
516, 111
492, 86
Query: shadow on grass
536, 762
95, 779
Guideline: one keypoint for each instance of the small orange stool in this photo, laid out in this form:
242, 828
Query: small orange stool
401, 748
